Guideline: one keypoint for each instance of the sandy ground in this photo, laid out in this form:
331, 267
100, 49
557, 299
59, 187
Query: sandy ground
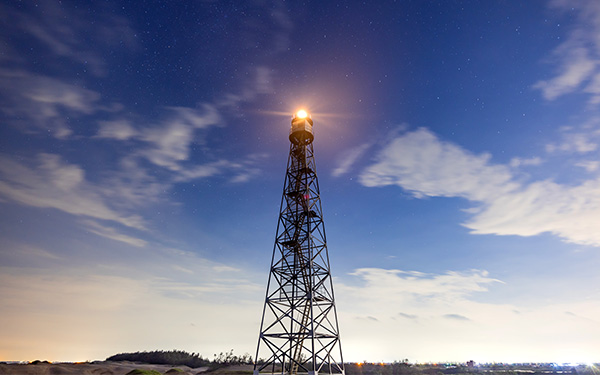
96, 368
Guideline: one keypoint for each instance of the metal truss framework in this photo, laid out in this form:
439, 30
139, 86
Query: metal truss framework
299, 329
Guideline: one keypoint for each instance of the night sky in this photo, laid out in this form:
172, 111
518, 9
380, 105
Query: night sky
143, 147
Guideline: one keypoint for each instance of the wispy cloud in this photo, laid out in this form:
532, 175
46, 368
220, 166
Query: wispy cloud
456, 317
38, 103
223, 268
169, 142
204, 170
407, 316
283, 26
577, 58
23, 253
60, 38
544, 206
258, 82
348, 158
424, 165
64, 32
578, 142
576, 67
225, 287
48, 181
120, 130
589, 165
580, 139
399, 284
518, 162
132, 185
112, 233
383, 292
450, 303
53, 183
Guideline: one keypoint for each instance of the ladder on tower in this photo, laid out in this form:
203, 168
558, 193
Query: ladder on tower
305, 316
295, 244
300, 195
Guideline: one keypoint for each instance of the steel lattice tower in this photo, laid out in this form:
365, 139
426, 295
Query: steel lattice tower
299, 329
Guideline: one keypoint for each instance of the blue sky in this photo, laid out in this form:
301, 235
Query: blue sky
143, 147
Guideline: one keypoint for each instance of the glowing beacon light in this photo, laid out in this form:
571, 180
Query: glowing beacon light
301, 132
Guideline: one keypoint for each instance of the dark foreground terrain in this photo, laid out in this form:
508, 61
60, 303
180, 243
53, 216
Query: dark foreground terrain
404, 368
132, 368
96, 368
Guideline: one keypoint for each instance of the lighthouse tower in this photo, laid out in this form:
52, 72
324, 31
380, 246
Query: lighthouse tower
299, 328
